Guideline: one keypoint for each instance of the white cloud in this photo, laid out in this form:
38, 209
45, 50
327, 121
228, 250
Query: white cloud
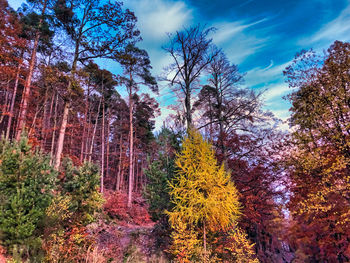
276, 91
239, 40
271, 73
337, 29
227, 30
157, 17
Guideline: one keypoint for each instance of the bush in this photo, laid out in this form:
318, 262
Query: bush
78, 204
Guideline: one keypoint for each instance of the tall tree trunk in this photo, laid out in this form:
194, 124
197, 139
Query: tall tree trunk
188, 109
103, 145
28, 82
131, 147
13, 100
94, 132
54, 129
32, 127
6, 104
64, 122
44, 122
84, 125
108, 134
48, 124
61, 135
117, 186
89, 125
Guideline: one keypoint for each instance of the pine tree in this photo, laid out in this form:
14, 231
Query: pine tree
26, 184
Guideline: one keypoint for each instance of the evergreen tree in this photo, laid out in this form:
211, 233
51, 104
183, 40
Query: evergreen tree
26, 184
160, 172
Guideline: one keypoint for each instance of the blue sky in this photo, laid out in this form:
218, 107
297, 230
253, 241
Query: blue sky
261, 36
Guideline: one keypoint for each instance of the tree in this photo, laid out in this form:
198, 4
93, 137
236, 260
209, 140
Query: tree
97, 31
318, 163
40, 26
26, 184
204, 197
160, 172
192, 51
137, 67
225, 106
13, 46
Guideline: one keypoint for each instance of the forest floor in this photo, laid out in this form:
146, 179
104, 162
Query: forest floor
131, 237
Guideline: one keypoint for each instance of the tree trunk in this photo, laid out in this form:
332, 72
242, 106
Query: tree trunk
61, 135
188, 109
26, 91
107, 150
32, 127
117, 186
63, 127
44, 121
13, 100
204, 238
103, 145
94, 132
54, 130
84, 125
131, 148
6, 104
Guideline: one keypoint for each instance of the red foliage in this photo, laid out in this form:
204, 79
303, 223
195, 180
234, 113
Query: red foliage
116, 207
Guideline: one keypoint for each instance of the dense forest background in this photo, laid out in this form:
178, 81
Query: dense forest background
84, 176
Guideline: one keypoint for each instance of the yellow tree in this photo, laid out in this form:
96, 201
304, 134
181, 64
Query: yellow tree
204, 197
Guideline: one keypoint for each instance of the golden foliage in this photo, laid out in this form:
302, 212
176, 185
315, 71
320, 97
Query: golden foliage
205, 202
202, 191
241, 249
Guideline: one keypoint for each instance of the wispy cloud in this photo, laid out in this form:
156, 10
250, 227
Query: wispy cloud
239, 39
262, 76
276, 91
337, 29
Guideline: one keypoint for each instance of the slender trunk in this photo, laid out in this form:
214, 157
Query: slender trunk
48, 123
84, 125
37, 110
13, 100
28, 82
54, 130
103, 145
107, 150
131, 147
6, 104
205, 238
43, 125
221, 122
61, 135
88, 132
94, 132
117, 186
67, 105
188, 109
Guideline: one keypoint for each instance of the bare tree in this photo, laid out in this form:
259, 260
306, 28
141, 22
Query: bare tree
191, 52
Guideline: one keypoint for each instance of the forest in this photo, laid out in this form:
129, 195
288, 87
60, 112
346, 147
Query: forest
86, 177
